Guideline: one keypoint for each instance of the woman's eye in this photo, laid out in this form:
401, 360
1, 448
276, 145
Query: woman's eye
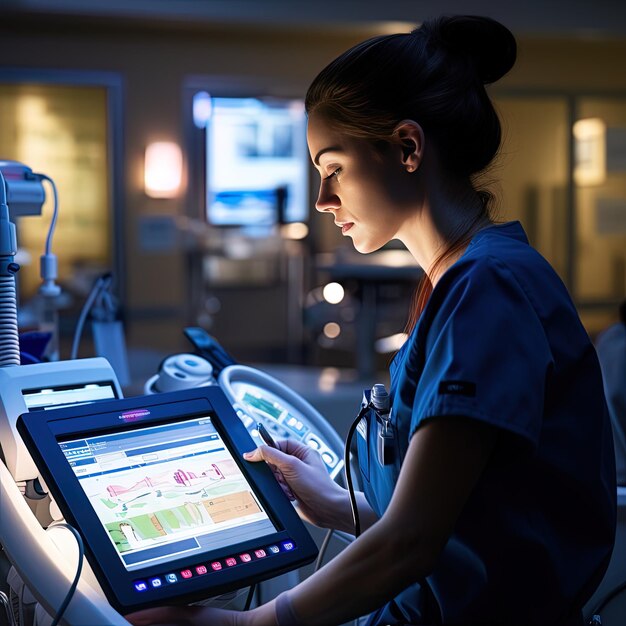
335, 173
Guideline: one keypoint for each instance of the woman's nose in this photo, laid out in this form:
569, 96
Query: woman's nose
327, 201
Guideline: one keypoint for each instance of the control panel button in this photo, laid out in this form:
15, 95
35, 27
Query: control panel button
328, 458
216, 566
245, 557
230, 561
141, 585
156, 582
260, 553
201, 569
274, 549
288, 545
186, 573
171, 578
296, 426
315, 443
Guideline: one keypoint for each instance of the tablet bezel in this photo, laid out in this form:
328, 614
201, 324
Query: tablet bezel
43, 431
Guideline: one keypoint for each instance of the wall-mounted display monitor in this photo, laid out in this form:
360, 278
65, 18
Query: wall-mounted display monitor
257, 162
167, 507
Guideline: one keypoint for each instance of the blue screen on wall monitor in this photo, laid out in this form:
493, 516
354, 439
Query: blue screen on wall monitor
166, 491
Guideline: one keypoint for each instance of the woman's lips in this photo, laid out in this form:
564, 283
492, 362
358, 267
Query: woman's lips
346, 227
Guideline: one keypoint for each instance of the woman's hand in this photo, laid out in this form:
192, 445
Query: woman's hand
264, 615
303, 475
186, 616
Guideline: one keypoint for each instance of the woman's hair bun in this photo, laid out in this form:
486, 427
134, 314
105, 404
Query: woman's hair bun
489, 44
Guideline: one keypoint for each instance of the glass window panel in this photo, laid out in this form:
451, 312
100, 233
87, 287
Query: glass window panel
532, 171
61, 131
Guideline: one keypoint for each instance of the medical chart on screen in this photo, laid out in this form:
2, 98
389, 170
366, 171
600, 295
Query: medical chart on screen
168, 490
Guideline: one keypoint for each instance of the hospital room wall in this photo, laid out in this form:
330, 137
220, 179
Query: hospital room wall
154, 61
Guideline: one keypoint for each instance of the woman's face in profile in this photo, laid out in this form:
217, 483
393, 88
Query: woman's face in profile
364, 188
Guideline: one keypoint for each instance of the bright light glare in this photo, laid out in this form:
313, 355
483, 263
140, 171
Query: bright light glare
332, 330
202, 109
328, 379
333, 293
294, 230
385, 345
590, 151
163, 169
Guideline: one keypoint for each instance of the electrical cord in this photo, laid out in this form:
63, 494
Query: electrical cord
55, 213
345, 537
249, 597
323, 548
4, 600
101, 284
48, 265
79, 569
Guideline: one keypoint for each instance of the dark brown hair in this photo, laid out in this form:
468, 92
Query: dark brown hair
435, 75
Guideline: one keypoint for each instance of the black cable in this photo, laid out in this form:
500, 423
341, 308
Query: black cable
6, 602
323, 548
348, 472
79, 569
249, 597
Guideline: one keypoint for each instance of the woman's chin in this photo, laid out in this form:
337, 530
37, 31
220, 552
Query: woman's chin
366, 247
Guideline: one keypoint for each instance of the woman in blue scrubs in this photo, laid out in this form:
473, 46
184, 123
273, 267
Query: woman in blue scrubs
497, 504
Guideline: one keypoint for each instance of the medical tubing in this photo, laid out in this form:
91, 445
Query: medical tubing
53, 221
348, 472
99, 285
323, 548
249, 597
79, 569
4, 600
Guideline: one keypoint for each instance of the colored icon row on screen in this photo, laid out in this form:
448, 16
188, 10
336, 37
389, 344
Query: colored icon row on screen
214, 566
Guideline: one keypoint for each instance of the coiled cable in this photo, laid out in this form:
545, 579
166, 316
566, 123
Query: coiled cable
9, 338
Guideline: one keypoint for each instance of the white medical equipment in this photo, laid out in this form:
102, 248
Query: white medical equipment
40, 558
41, 386
258, 397
255, 396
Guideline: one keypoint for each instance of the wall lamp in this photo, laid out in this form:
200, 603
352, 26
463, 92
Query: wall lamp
590, 151
163, 169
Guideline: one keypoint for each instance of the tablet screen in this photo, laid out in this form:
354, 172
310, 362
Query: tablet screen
166, 491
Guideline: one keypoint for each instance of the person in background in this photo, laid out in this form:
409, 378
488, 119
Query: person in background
611, 347
498, 504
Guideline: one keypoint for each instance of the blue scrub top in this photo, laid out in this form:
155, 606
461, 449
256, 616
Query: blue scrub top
500, 342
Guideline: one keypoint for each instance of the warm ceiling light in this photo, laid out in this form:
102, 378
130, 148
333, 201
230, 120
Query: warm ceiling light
163, 169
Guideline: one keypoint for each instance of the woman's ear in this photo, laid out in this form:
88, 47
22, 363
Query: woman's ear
410, 136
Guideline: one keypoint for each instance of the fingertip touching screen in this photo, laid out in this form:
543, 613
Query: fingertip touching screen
166, 505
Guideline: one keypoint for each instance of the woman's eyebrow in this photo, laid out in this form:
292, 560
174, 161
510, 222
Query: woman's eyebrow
316, 160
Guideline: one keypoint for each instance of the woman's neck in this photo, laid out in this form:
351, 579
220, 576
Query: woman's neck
443, 219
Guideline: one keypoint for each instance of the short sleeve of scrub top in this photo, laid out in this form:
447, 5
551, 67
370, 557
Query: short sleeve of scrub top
485, 355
